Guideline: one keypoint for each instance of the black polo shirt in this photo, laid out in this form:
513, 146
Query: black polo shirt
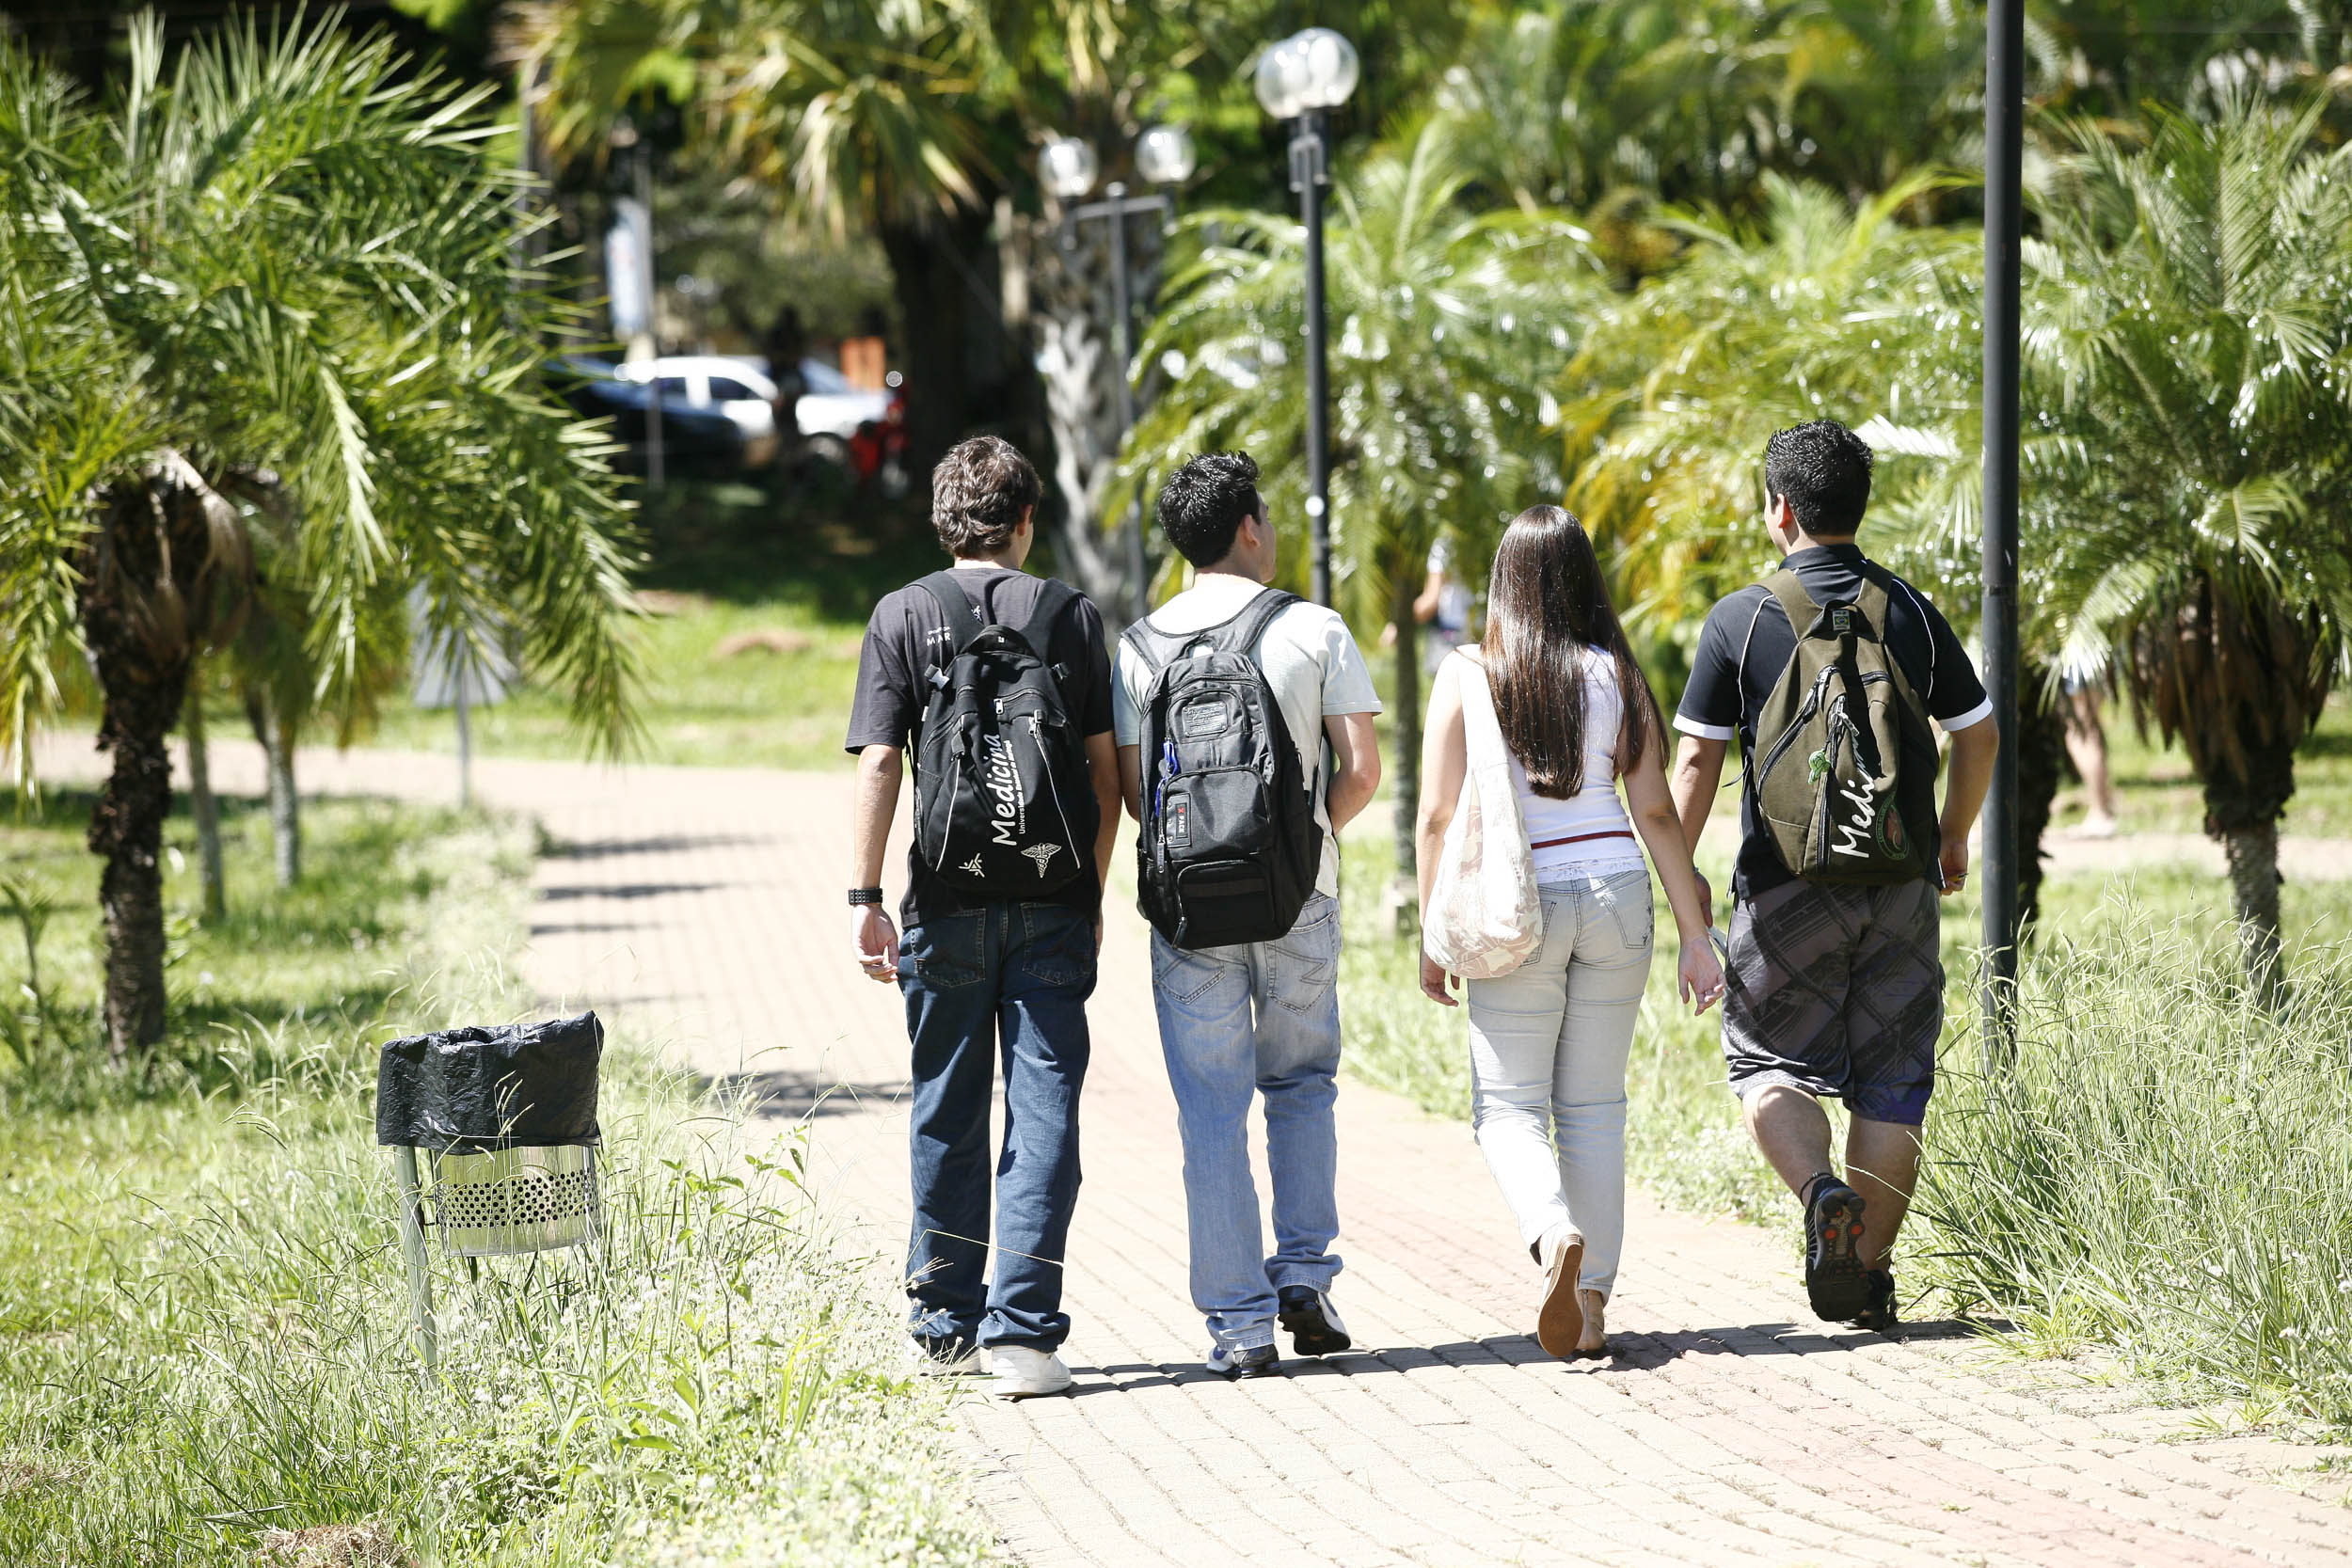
1747, 645
907, 637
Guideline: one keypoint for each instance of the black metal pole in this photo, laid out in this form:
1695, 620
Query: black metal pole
1308, 177
2004, 144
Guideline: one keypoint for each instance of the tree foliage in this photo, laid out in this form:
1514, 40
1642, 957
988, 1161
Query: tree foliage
282, 266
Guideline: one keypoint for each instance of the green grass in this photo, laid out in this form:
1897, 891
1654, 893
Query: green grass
2155, 791
2169, 1172
204, 1334
795, 576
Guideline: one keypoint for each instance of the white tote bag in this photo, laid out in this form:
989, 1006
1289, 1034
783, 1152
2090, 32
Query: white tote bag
1485, 918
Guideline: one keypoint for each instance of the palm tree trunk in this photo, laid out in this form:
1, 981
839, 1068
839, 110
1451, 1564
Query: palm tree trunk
2041, 767
138, 567
930, 280
285, 806
206, 809
1407, 730
2253, 853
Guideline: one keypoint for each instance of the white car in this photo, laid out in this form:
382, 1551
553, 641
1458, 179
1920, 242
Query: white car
831, 406
731, 387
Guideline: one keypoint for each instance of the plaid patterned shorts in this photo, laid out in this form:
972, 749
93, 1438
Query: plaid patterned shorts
1838, 991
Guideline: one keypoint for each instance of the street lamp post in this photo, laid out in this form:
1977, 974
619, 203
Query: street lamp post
1068, 168
1300, 79
2004, 142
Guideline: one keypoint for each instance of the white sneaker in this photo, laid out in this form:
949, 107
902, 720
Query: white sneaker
1022, 1373
924, 1362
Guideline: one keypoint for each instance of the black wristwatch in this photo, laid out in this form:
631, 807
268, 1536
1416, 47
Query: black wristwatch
865, 896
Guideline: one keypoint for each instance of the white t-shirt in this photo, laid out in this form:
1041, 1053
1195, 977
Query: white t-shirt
1596, 807
1310, 659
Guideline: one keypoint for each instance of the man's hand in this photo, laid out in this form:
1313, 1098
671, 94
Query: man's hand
1098, 933
1433, 982
1955, 865
875, 941
1707, 894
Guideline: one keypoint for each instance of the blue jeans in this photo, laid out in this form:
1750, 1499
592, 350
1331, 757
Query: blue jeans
1266, 1017
1015, 976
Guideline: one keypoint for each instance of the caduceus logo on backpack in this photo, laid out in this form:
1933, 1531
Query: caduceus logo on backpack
1004, 785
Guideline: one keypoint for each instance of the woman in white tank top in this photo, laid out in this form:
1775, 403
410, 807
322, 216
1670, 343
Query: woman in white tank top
1548, 1041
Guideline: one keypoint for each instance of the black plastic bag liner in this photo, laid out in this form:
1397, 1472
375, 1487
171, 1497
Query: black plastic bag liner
512, 1085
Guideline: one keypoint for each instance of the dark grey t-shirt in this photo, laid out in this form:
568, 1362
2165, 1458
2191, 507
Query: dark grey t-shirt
907, 637
1747, 642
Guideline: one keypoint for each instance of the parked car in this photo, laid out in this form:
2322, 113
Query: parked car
831, 406
700, 439
706, 381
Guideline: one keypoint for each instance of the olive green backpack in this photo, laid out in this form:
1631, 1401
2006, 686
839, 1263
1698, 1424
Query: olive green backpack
1842, 763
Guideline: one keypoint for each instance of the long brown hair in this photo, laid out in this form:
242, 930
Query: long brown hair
1546, 604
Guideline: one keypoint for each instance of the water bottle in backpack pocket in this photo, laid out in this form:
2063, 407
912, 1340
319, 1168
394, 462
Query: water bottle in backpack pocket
1004, 804
1230, 848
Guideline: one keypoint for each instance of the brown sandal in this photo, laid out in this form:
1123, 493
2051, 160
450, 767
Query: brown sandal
1594, 1304
1560, 1323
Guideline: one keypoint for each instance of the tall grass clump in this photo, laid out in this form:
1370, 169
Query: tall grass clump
2166, 1168
206, 1351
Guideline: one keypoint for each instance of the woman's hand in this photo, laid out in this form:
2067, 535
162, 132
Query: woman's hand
1701, 975
1433, 982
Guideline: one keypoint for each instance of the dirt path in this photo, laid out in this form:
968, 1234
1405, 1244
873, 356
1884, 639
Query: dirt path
700, 908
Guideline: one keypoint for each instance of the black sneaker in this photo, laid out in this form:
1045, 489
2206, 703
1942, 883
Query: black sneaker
1878, 1312
1311, 1322
1832, 1251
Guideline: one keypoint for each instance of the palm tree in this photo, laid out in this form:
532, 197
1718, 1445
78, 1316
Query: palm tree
2192, 361
1445, 327
287, 263
1818, 307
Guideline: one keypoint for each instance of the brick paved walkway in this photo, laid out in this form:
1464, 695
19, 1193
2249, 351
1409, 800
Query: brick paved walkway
700, 908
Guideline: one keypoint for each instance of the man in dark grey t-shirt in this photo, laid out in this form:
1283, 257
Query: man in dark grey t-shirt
982, 975
1831, 990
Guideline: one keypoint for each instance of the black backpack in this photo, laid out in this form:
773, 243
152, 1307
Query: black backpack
1003, 805
1230, 848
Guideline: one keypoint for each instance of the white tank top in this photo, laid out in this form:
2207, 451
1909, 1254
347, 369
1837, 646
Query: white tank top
1596, 807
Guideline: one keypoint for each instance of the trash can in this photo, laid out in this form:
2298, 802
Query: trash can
506, 1118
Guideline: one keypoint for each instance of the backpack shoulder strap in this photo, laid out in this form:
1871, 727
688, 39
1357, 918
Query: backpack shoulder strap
1241, 634
1147, 644
1788, 589
1053, 599
963, 622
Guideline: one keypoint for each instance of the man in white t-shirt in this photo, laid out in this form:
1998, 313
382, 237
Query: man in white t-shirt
1260, 1016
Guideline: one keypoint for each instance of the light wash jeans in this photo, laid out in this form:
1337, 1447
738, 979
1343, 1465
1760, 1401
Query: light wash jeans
1549, 1043
1264, 1016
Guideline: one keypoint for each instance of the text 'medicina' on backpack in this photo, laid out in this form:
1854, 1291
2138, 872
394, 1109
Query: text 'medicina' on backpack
1004, 807
1230, 844
1842, 761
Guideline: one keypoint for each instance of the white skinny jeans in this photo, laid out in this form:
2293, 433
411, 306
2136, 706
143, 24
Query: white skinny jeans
1549, 1043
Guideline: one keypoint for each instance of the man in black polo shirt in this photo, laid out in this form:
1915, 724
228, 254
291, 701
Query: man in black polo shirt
1831, 990
979, 970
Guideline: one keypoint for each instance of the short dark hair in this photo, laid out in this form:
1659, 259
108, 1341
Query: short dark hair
1822, 470
978, 493
1202, 505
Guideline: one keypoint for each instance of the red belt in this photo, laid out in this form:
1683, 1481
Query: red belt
1579, 838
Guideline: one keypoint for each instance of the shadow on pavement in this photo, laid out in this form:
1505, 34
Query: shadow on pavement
626, 889
1629, 1353
665, 844
781, 1095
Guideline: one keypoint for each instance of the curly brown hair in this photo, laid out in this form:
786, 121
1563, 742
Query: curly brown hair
979, 493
